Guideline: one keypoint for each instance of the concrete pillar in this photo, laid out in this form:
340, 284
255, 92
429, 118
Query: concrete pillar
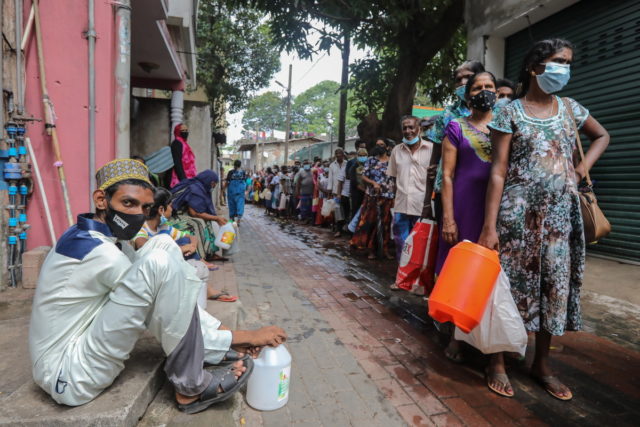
177, 110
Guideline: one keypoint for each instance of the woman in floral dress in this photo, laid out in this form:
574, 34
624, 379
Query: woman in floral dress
377, 204
533, 212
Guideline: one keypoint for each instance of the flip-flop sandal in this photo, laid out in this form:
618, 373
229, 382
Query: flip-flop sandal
502, 378
551, 380
214, 268
217, 258
223, 297
224, 378
395, 287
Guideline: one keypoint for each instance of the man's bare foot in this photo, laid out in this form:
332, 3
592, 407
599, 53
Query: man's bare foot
238, 370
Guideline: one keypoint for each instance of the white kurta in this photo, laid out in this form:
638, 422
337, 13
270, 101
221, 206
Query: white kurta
92, 303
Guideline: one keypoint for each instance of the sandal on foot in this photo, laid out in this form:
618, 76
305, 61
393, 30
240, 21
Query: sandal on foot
217, 258
395, 287
223, 378
223, 297
502, 379
549, 383
455, 357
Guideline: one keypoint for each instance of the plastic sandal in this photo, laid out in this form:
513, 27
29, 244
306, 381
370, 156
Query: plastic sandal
547, 382
224, 378
502, 378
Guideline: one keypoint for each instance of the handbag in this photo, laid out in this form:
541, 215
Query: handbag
596, 225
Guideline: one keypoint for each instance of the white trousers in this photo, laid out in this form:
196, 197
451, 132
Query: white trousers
158, 293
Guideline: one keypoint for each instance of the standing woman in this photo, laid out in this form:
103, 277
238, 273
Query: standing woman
377, 204
236, 186
466, 164
184, 161
533, 210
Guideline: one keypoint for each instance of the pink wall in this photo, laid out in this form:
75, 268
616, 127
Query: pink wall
66, 65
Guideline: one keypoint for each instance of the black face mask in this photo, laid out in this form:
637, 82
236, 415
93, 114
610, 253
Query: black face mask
483, 101
184, 135
123, 225
378, 151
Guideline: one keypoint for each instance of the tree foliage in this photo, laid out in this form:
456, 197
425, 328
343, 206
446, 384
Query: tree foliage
311, 108
236, 53
267, 110
404, 36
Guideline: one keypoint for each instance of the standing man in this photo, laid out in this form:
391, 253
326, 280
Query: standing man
337, 170
303, 182
409, 165
236, 184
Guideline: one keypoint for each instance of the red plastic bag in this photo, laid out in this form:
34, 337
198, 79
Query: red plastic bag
418, 260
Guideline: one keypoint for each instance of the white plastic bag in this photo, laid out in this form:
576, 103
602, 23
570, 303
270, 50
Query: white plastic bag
234, 245
337, 211
226, 235
327, 207
501, 327
353, 224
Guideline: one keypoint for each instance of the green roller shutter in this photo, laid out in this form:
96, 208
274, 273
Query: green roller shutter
605, 79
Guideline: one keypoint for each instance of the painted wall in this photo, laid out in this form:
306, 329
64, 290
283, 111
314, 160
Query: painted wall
66, 66
488, 22
150, 128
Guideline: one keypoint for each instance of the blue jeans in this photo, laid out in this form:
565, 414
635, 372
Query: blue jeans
402, 226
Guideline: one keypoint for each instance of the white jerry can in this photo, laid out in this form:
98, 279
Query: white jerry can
268, 386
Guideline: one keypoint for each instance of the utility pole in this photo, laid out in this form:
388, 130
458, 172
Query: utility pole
288, 130
259, 155
342, 117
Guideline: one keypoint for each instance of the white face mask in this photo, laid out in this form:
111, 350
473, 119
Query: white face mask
555, 77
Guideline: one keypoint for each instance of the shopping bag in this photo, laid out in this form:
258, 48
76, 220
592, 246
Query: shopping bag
353, 224
283, 202
337, 211
418, 259
235, 248
328, 205
501, 327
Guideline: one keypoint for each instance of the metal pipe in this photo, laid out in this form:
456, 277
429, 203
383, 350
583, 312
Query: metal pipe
1, 75
27, 30
91, 38
122, 75
19, 90
45, 201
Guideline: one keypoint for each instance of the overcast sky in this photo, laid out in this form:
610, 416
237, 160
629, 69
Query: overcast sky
305, 74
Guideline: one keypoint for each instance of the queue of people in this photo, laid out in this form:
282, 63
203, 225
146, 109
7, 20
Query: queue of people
498, 165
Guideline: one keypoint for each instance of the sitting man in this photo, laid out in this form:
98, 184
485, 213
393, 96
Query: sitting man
93, 301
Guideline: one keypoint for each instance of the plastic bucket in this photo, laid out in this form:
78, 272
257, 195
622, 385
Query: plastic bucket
464, 285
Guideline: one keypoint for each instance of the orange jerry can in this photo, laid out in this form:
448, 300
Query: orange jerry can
464, 285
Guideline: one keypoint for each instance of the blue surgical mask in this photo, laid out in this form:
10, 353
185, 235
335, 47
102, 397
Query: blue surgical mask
163, 220
306, 167
501, 103
460, 90
555, 77
411, 141
362, 159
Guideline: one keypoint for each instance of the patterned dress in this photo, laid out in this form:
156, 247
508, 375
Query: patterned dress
539, 224
376, 208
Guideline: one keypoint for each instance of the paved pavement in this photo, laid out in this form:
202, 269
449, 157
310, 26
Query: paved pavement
366, 356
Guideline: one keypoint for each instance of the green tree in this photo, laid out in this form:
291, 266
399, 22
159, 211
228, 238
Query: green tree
267, 109
407, 34
236, 54
310, 110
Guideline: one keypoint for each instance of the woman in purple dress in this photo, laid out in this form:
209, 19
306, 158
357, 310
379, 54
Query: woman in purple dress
466, 164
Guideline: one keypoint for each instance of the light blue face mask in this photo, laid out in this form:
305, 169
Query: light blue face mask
306, 167
555, 77
501, 103
411, 141
362, 159
163, 219
460, 90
